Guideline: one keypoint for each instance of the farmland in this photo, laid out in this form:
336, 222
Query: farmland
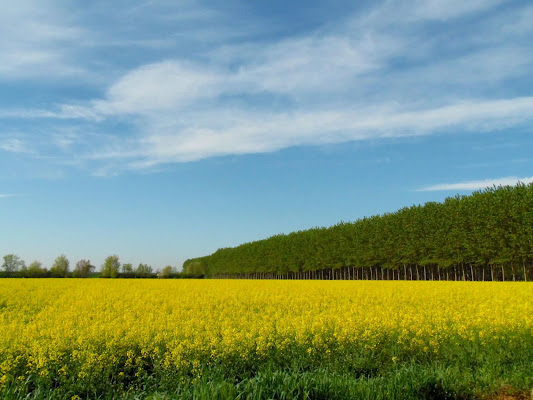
264, 339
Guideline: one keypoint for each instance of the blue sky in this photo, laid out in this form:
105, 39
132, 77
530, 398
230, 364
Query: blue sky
161, 131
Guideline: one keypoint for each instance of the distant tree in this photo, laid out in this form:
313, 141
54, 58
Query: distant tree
12, 263
83, 269
111, 267
127, 268
143, 270
35, 270
167, 271
198, 266
60, 267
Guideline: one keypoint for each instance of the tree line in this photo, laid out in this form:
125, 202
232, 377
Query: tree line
487, 235
14, 267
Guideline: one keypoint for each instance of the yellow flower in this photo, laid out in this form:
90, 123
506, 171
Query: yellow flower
125, 325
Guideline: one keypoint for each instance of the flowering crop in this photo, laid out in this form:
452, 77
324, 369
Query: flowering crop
77, 333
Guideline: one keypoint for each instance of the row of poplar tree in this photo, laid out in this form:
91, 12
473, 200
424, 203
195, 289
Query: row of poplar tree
487, 235
14, 267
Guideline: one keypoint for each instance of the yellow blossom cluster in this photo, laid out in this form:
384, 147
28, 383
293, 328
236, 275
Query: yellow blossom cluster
86, 329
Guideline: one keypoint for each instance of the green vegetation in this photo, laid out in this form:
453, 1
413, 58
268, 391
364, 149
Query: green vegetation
484, 236
470, 372
14, 267
110, 267
60, 269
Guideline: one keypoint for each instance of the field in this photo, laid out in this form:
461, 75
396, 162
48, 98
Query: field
246, 339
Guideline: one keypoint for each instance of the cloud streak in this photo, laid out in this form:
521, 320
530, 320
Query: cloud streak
38, 42
227, 132
478, 184
367, 77
15, 145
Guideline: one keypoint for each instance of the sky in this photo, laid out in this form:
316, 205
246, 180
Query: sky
161, 131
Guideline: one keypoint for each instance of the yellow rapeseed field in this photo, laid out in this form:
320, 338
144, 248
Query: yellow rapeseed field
61, 329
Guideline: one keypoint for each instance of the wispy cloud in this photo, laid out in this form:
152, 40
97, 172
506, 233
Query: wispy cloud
4, 195
367, 77
476, 185
15, 145
438, 10
206, 134
38, 41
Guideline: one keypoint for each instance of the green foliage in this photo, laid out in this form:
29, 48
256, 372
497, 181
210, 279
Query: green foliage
110, 267
12, 263
488, 234
143, 271
36, 270
127, 268
83, 269
167, 272
197, 266
60, 267
461, 370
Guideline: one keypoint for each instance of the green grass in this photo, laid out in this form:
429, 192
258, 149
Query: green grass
406, 382
460, 371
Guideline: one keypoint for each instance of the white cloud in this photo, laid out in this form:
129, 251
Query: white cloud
522, 22
32, 113
15, 145
302, 66
391, 14
444, 10
294, 68
477, 185
222, 132
3, 195
161, 86
376, 76
36, 40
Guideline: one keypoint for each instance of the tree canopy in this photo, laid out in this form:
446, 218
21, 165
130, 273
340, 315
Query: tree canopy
491, 227
12, 263
60, 267
110, 267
